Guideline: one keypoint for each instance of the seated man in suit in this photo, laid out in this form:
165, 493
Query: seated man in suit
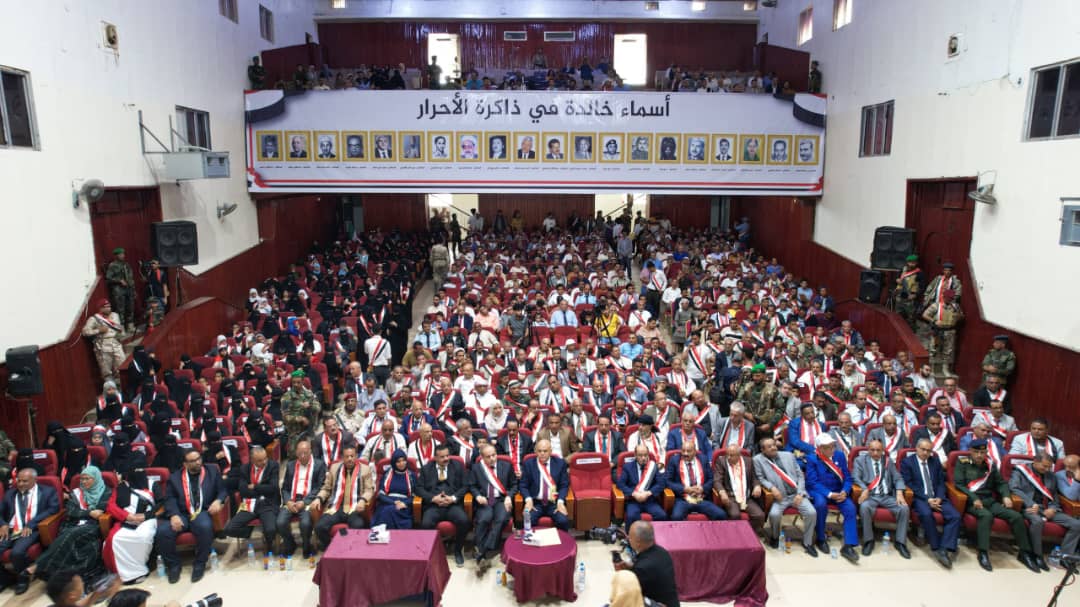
563, 442
925, 476
416, 417
442, 487
605, 440
995, 450
463, 443
493, 486
1037, 440
515, 444
648, 437
690, 477
890, 436
829, 482
642, 484
347, 490
803, 431
735, 429
257, 484
688, 433
951, 418
988, 497
192, 497
846, 434
940, 438
578, 418
780, 474
544, 483
22, 510
738, 486
882, 487
304, 477
1036, 485
383, 446
423, 448
1068, 478
328, 445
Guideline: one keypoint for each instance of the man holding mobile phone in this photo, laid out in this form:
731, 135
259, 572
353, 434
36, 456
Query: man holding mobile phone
66, 589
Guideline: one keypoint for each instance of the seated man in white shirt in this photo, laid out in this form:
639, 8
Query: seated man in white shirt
563, 316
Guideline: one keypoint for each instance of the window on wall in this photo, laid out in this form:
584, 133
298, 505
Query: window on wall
629, 56
193, 126
877, 123
266, 23
841, 13
1055, 102
227, 8
1070, 222
806, 25
338, 4
17, 121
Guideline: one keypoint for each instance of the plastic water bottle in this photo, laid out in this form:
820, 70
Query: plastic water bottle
1054, 560
886, 542
160, 566
268, 558
288, 567
579, 579
251, 557
834, 553
781, 544
499, 577
527, 518
215, 564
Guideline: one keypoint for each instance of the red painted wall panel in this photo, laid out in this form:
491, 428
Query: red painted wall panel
406, 212
534, 207
789, 64
683, 211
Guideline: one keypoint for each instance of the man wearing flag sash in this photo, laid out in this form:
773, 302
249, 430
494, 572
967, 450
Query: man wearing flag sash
940, 438
604, 439
1036, 485
780, 475
890, 435
22, 509
654, 287
193, 496
846, 434
329, 444
881, 487
908, 287
257, 484
304, 476
422, 450
925, 477
735, 429
348, 488
689, 476
829, 482
642, 484
738, 486
995, 450
493, 485
997, 420
988, 497
383, 446
515, 444
803, 431
104, 329
665, 416
689, 433
1037, 440
951, 419
377, 348
544, 484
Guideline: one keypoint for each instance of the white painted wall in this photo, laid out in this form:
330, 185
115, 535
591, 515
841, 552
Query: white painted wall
86, 100
953, 118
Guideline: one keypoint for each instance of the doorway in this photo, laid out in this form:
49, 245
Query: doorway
447, 49
122, 218
631, 58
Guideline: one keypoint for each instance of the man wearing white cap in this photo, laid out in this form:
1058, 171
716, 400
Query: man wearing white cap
829, 482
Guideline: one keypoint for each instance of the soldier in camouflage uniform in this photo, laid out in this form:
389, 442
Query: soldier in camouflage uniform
103, 329
7, 447
299, 410
121, 284
762, 400
944, 316
808, 351
1000, 360
908, 287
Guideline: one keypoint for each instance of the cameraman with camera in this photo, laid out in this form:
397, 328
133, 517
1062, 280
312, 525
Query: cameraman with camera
653, 566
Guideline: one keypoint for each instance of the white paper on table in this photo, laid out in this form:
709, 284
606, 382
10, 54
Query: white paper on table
543, 537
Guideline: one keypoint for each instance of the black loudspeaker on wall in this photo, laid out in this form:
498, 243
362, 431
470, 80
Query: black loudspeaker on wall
24, 371
891, 247
175, 243
870, 284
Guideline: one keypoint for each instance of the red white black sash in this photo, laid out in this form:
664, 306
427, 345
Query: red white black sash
646, 477
938, 442
493, 480
331, 450
1034, 479
185, 485
783, 475
301, 484
978, 483
390, 477
515, 454
809, 431
249, 503
380, 346
107, 322
880, 475
726, 440
695, 358
80, 497
465, 448
340, 490
548, 489
22, 519
892, 443
653, 446
843, 441
688, 473
1032, 448
831, 465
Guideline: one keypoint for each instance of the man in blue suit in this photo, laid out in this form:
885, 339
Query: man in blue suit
690, 477
193, 496
690, 433
802, 431
925, 477
21, 512
544, 483
642, 483
829, 482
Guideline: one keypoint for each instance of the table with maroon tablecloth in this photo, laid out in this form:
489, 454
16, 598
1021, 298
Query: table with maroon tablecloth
716, 561
539, 571
354, 573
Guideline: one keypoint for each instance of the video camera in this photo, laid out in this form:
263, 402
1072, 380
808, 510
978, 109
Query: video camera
609, 535
210, 600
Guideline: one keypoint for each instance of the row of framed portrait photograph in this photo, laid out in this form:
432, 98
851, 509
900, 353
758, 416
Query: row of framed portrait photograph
536, 147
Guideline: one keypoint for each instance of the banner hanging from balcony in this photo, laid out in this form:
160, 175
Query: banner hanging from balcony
534, 141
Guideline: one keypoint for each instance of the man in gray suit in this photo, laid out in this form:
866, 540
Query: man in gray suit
847, 436
1036, 485
735, 429
890, 436
781, 476
882, 487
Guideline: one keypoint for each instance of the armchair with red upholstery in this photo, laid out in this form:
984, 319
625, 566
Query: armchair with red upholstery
590, 480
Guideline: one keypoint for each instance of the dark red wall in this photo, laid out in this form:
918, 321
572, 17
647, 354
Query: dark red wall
280, 63
534, 207
683, 211
406, 212
696, 45
789, 64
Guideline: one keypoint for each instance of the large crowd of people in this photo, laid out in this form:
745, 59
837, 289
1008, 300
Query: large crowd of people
716, 385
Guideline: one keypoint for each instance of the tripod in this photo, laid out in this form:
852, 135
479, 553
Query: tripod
1070, 572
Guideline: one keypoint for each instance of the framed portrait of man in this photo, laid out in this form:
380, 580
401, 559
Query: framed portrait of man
326, 146
299, 145
779, 149
554, 147
806, 149
667, 148
384, 146
750, 151
496, 146
441, 148
525, 147
469, 147
611, 147
412, 146
583, 147
640, 147
724, 149
355, 145
696, 146
269, 146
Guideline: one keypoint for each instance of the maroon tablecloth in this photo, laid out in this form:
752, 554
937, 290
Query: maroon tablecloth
541, 571
354, 573
719, 561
